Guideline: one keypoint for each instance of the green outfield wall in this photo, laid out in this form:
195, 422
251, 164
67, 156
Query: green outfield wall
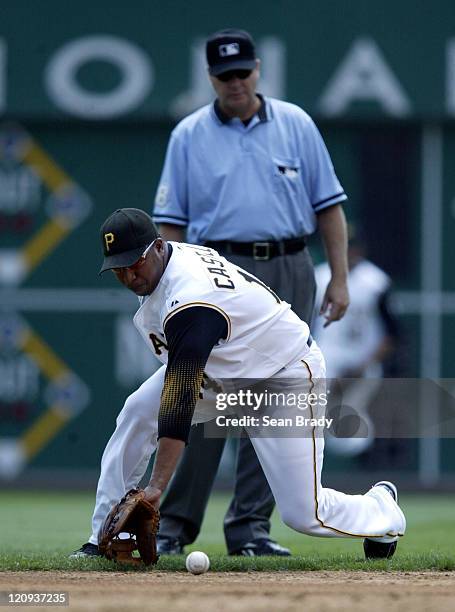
89, 92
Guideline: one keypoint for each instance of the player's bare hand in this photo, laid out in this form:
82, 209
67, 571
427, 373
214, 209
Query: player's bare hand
153, 495
335, 302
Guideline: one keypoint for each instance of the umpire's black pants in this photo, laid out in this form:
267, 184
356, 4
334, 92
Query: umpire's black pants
248, 516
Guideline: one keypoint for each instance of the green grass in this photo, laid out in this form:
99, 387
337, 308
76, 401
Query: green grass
38, 530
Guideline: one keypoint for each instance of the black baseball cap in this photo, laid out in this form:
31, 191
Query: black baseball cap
125, 235
230, 50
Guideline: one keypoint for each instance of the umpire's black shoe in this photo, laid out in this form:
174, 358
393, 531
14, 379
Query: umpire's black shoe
375, 549
260, 548
166, 545
86, 550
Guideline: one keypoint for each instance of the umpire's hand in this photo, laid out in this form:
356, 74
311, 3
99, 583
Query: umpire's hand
335, 302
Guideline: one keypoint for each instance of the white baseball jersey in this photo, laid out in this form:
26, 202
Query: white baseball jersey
350, 343
264, 337
264, 334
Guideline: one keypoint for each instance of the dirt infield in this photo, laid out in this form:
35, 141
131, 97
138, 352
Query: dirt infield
252, 591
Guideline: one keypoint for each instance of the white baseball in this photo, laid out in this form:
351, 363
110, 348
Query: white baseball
197, 562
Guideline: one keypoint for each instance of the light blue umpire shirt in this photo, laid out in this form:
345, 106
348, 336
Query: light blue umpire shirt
263, 181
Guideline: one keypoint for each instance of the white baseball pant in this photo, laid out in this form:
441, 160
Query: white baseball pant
292, 467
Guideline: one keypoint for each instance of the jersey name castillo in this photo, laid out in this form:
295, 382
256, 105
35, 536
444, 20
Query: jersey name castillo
264, 334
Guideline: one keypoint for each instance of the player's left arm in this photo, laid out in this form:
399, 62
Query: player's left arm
191, 335
333, 231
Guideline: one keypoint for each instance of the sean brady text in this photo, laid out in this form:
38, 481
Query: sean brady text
268, 421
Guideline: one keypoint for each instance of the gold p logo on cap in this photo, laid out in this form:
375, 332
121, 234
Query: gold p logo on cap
108, 239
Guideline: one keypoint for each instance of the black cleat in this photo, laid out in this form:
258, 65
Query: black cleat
379, 550
167, 545
375, 549
260, 548
86, 550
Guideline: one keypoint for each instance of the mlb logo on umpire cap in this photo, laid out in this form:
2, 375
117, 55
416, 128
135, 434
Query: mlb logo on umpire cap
230, 50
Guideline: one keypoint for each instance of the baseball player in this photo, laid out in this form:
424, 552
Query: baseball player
203, 316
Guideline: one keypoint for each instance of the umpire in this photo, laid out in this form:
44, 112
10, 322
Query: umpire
251, 177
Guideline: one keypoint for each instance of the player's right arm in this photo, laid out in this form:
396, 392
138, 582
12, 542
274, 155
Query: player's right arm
191, 335
166, 460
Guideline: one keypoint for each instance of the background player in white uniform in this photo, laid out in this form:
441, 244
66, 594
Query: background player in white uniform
199, 313
356, 348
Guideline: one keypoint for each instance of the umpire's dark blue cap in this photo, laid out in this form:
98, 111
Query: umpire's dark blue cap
230, 50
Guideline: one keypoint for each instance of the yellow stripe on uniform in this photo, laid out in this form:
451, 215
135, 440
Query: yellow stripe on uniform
43, 430
315, 478
50, 173
48, 362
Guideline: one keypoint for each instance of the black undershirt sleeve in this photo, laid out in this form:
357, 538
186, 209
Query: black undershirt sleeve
191, 335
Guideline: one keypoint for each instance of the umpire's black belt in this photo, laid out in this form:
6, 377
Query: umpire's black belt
260, 251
